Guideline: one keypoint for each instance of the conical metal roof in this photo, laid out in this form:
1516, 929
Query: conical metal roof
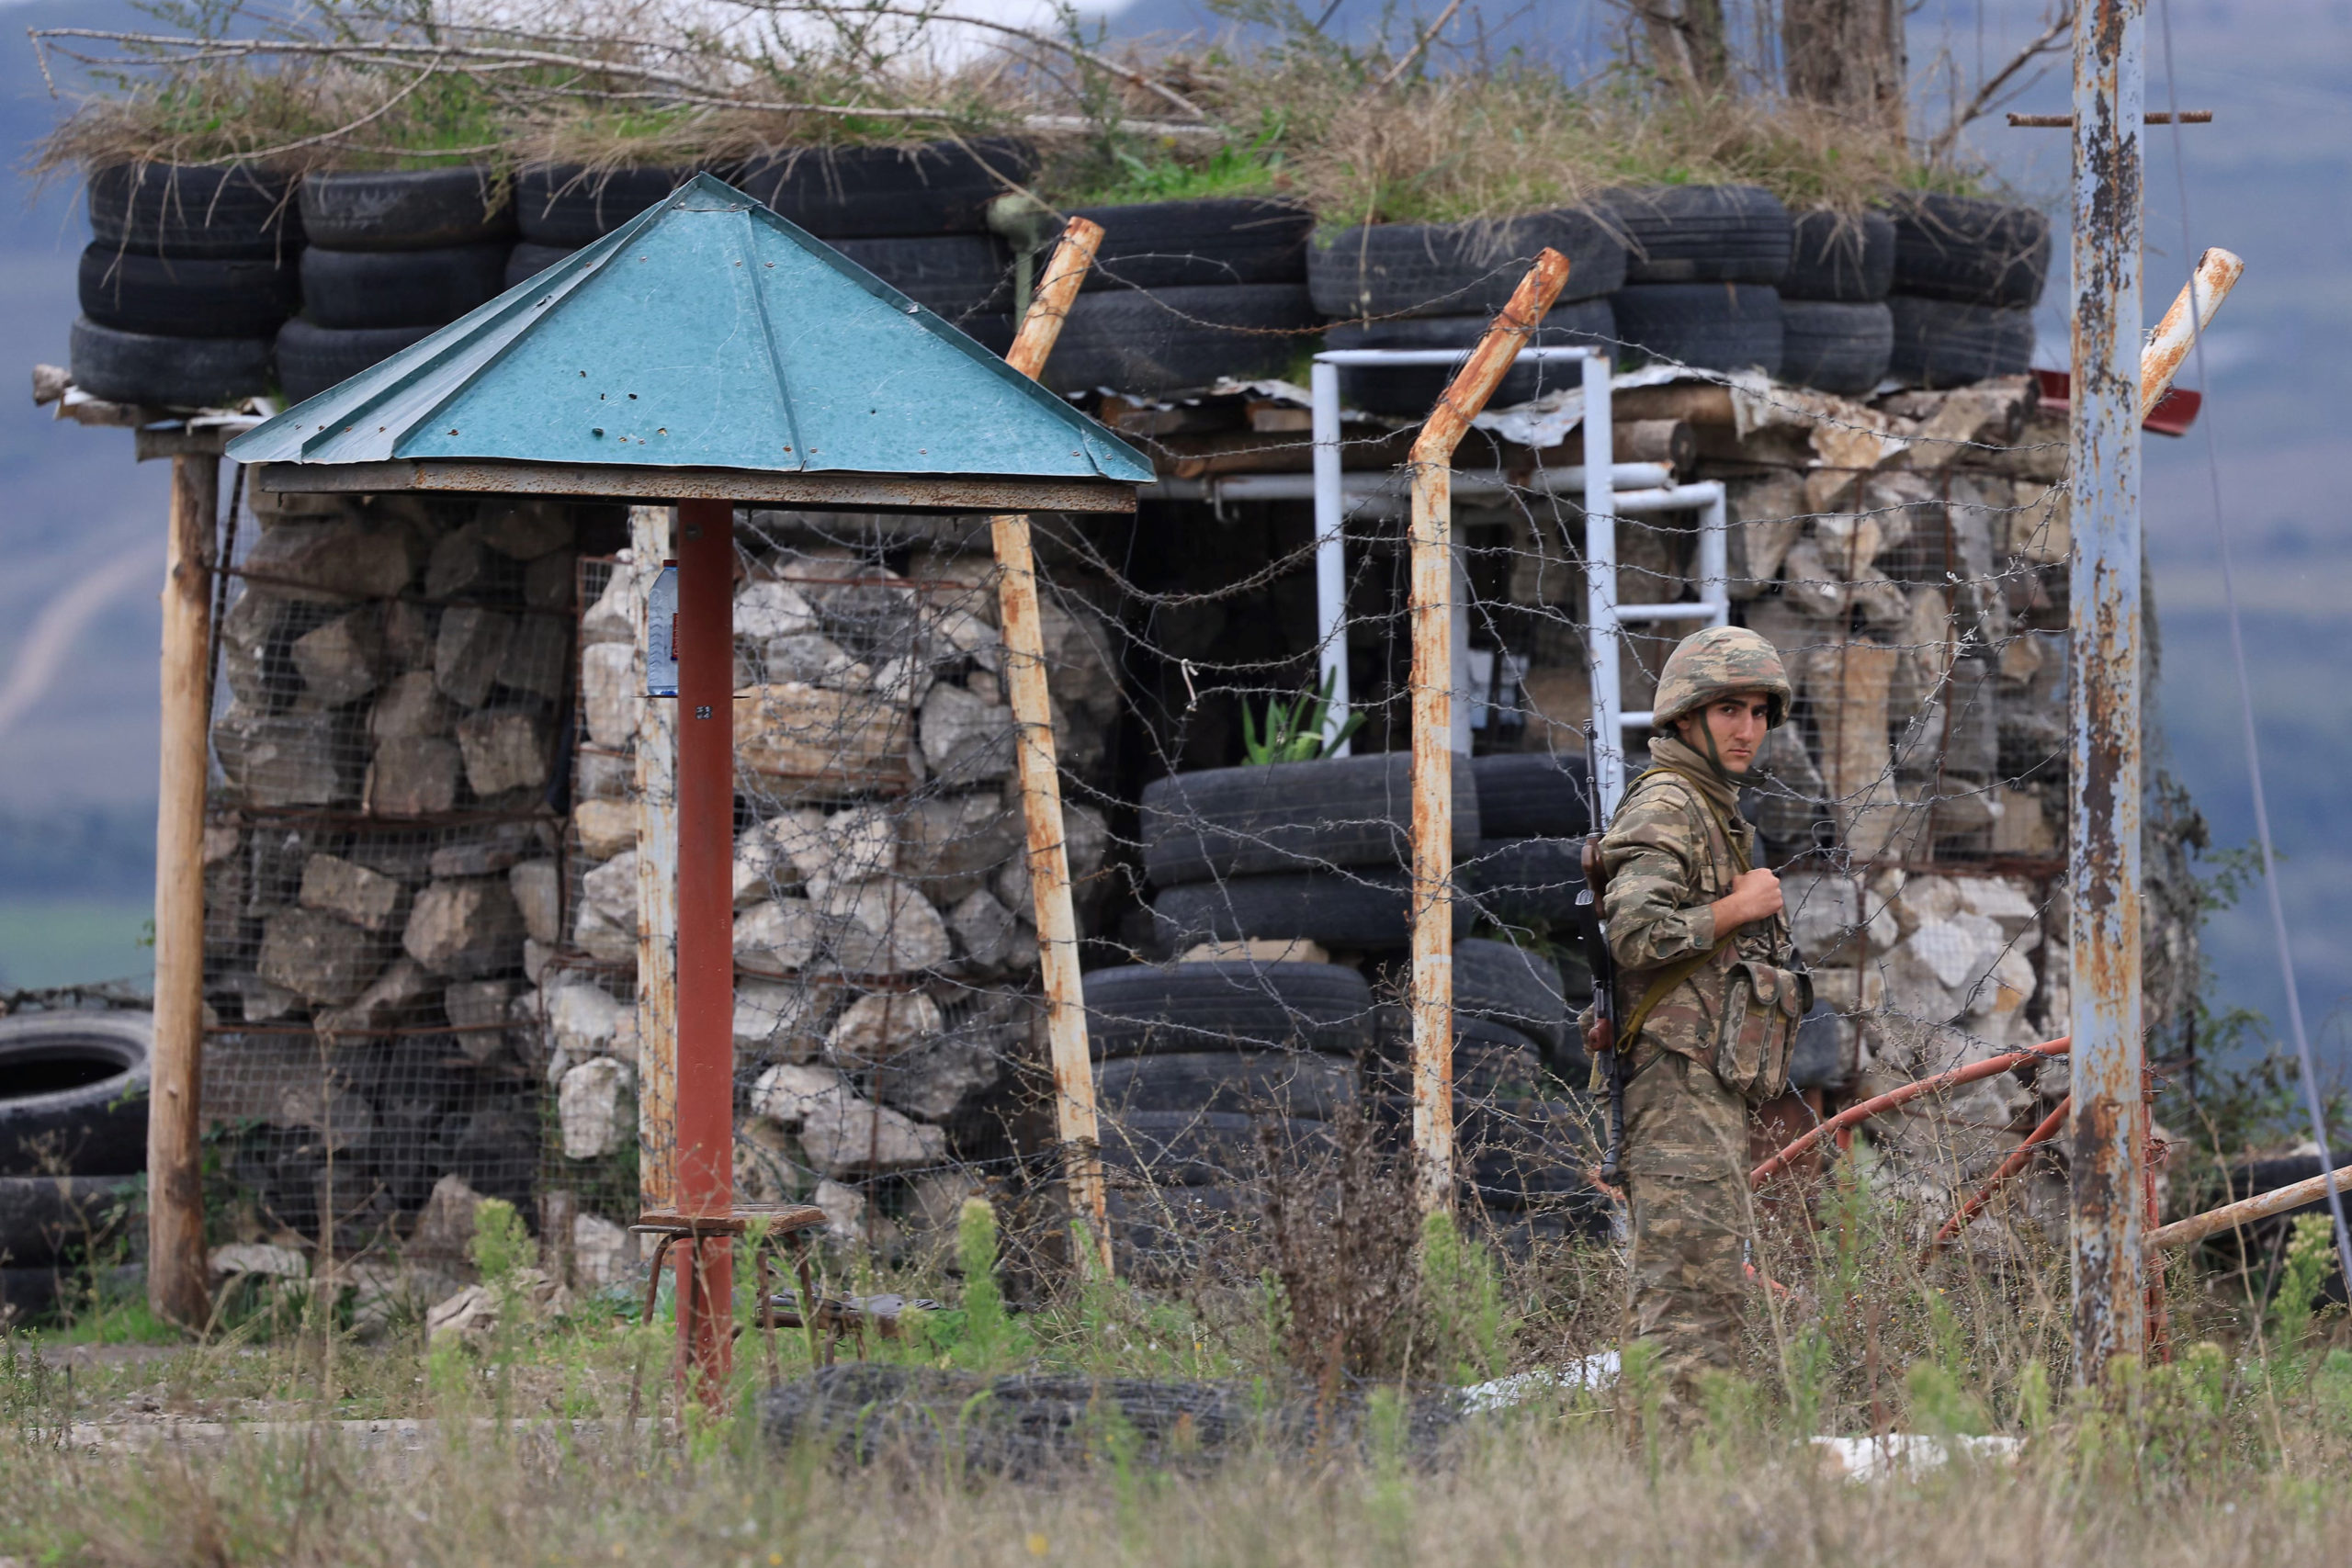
707, 348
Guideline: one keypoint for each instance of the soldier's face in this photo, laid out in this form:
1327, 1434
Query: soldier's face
1738, 725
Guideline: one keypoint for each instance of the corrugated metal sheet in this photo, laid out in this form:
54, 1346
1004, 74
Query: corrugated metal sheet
708, 333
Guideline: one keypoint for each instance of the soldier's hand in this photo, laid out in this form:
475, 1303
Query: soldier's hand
1755, 896
1600, 1035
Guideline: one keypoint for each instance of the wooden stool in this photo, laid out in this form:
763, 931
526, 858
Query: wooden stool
782, 1224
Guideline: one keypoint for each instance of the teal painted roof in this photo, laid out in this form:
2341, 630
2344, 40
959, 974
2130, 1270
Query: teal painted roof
708, 333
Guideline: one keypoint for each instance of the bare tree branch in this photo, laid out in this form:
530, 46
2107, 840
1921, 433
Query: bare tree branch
1988, 92
1428, 35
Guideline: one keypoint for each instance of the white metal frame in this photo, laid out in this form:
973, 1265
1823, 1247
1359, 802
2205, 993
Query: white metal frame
1649, 491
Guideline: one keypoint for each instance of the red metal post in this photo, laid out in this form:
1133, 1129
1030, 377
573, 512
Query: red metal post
706, 1003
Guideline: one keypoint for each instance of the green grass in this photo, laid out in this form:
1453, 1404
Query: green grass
71, 942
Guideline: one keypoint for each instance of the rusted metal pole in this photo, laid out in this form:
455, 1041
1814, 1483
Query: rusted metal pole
2217, 272
2019, 1157
1041, 789
1433, 611
2103, 822
177, 1289
706, 1064
656, 765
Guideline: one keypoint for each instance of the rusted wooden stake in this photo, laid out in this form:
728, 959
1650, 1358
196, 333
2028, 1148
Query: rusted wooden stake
177, 1289
1041, 792
657, 910
1433, 610
2103, 820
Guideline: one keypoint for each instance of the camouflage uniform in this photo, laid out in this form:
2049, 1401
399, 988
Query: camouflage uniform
1675, 846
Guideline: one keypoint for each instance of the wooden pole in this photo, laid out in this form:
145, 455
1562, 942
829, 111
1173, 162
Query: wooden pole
656, 908
176, 1286
1041, 790
2246, 1210
1432, 715
706, 1001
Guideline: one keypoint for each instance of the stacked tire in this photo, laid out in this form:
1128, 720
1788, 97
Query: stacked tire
558, 207
1294, 851
1437, 285
1837, 332
1702, 272
915, 218
1528, 868
1967, 273
1213, 1077
1186, 293
394, 255
73, 1145
185, 282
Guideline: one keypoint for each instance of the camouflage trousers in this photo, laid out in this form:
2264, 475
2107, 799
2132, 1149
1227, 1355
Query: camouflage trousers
1686, 1146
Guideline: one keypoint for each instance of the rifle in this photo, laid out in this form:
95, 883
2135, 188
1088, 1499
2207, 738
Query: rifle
1603, 964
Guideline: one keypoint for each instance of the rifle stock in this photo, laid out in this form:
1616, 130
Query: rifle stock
1595, 939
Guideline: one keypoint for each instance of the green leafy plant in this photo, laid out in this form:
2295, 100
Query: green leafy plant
1292, 731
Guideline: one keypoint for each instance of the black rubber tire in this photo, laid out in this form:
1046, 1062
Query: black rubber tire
312, 358
1845, 257
1835, 348
44, 1218
1702, 233
527, 260
1491, 1059
1814, 1060
1162, 1234
354, 291
1968, 249
1708, 326
1938, 343
171, 210
1457, 269
1361, 908
563, 204
1203, 1148
73, 1092
406, 209
1169, 340
955, 275
1304, 1085
167, 372
1414, 389
187, 296
874, 193
1533, 794
1185, 1008
1529, 882
1199, 244
1344, 811
991, 333
1511, 986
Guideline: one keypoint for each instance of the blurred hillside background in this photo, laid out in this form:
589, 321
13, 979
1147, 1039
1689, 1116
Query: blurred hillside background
81, 525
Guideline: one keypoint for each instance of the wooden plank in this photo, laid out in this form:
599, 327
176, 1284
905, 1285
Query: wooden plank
863, 493
1040, 780
177, 1289
657, 910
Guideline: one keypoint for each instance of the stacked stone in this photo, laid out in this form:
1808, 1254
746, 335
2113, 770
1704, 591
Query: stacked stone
885, 946
380, 840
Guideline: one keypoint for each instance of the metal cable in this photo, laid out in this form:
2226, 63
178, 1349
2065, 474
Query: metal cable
2245, 695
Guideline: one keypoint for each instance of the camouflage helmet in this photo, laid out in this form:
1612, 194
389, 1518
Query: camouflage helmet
1721, 661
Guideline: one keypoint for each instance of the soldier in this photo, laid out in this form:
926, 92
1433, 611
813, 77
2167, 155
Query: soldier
1708, 996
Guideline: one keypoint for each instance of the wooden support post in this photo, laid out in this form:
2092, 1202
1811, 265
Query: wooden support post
706, 1000
656, 908
1041, 790
176, 1287
1433, 611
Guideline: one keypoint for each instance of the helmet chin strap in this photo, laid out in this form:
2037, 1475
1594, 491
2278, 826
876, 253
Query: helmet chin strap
1715, 758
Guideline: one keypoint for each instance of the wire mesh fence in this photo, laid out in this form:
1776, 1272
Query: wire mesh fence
426, 889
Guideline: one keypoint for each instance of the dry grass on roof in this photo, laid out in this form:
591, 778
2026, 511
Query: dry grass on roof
613, 83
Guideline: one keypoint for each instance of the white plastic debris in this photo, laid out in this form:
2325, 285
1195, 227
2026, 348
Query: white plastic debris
1906, 1454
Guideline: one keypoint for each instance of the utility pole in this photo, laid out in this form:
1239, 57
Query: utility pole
2105, 1134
